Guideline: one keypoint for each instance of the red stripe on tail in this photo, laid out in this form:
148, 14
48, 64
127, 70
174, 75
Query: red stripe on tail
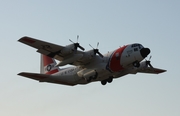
47, 60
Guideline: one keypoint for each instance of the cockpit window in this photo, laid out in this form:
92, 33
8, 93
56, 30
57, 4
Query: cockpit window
140, 47
137, 45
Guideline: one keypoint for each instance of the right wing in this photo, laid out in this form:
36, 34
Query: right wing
54, 51
43, 47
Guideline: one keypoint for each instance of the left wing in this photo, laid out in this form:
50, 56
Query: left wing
151, 70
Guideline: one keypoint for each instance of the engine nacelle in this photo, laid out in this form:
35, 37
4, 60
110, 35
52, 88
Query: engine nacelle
68, 49
143, 65
89, 54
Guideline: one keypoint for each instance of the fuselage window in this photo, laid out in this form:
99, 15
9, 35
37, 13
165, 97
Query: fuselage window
135, 49
117, 56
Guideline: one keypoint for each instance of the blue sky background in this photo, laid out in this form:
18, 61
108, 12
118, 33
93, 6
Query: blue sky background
113, 23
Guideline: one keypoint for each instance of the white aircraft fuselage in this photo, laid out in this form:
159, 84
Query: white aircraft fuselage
118, 62
89, 66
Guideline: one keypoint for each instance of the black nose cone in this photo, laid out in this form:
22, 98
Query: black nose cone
144, 52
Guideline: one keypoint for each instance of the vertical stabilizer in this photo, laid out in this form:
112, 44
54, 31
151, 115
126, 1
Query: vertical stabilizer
48, 65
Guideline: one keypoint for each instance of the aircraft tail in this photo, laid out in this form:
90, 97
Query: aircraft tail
48, 65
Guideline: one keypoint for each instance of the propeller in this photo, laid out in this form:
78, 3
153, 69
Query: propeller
148, 62
96, 51
77, 45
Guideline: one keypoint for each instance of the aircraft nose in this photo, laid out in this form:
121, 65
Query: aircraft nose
144, 52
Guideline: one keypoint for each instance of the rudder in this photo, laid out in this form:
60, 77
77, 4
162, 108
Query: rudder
48, 65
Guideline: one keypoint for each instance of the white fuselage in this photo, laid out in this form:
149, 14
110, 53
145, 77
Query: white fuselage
114, 64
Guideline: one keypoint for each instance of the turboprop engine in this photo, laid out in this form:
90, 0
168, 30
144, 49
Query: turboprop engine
68, 49
145, 64
72, 47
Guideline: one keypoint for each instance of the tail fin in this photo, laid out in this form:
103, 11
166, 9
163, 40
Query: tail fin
48, 65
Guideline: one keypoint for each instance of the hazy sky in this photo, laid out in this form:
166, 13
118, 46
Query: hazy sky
113, 23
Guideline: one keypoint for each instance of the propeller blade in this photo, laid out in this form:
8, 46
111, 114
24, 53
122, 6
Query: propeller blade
71, 40
96, 51
100, 54
81, 47
150, 57
149, 63
77, 38
97, 45
91, 46
77, 45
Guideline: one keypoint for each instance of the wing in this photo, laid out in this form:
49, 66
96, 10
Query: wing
43, 47
54, 51
44, 78
66, 54
151, 70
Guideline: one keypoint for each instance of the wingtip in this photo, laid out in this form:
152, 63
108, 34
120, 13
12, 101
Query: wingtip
161, 71
20, 74
22, 38
27, 40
